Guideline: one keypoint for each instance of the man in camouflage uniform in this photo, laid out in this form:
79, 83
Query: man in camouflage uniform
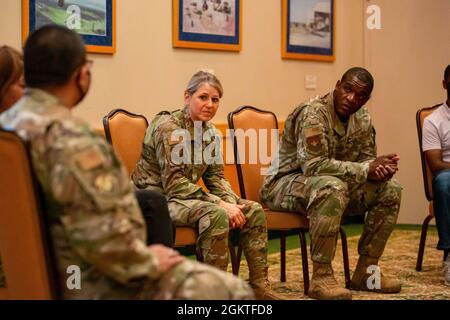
327, 166
96, 223
189, 205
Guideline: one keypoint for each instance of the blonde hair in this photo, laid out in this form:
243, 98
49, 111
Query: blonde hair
202, 77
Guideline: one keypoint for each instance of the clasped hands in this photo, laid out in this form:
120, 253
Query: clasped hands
383, 167
235, 216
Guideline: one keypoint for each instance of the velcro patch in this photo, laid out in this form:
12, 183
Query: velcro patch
89, 159
105, 182
314, 131
314, 143
175, 140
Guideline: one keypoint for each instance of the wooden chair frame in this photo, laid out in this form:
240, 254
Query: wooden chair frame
427, 183
109, 136
25, 241
112, 114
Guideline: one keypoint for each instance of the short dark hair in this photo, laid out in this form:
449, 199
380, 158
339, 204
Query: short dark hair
447, 72
360, 73
51, 55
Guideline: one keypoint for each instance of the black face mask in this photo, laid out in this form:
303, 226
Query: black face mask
83, 93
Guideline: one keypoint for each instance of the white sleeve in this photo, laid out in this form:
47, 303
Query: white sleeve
430, 136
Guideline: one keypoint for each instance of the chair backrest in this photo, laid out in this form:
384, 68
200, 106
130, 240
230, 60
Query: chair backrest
24, 240
427, 175
125, 131
261, 129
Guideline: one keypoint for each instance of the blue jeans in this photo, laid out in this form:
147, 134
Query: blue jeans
441, 204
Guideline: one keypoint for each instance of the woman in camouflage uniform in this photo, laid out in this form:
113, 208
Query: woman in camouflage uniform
180, 148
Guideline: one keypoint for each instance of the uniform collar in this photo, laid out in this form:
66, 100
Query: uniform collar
35, 110
188, 123
338, 126
43, 97
187, 118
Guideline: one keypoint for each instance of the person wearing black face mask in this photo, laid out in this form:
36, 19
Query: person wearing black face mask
58, 77
95, 220
83, 90
436, 145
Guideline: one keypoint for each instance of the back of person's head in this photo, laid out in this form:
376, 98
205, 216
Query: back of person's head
51, 55
447, 73
360, 73
202, 77
11, 68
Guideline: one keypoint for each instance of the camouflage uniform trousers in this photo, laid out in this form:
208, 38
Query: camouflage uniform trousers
189, 280
192, 280
213, 227
325, 199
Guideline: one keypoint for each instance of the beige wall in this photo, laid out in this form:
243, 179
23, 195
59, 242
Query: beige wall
147, 75
407, 58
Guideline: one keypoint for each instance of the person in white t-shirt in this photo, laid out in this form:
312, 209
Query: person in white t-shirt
436, 145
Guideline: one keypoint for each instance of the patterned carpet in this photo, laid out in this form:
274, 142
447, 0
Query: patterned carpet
399, 260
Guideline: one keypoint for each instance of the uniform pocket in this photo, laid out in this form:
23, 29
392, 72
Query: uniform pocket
103, 180
295, 197
203, 224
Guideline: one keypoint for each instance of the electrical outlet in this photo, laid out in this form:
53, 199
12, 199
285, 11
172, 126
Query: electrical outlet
310, 82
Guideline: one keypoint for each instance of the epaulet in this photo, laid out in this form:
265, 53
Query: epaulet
163, 113
67, 127
54, 125
321, 99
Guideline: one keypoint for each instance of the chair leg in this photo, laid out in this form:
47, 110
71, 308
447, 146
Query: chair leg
304, 253
198, 254
345, 257
283, 256
238, 259
233, 258
423, 238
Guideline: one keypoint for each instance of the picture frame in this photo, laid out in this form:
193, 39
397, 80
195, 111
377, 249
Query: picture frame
308, 30
94, 20
207, 24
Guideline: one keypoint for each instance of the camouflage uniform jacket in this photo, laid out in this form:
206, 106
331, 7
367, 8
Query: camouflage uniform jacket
156, 170
315, 142
95, 221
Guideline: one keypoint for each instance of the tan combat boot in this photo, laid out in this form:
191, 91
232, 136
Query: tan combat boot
361, 282
265, 293
260, 284
324, 286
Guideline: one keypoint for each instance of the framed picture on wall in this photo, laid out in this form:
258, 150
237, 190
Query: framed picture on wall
207, 24
308, 29
94, 20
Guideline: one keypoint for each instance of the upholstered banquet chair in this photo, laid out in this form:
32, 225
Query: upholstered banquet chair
427, 183
25, 244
